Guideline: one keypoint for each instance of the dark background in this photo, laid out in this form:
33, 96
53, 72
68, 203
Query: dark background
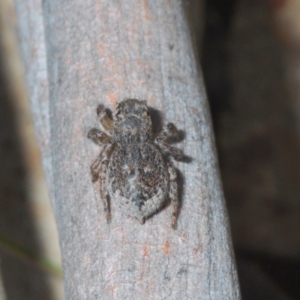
250, 55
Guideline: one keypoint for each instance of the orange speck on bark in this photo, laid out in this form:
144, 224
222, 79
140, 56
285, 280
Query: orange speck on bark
145, 251
197, 250
152, 100
112, 288
101, 49
78, 132
138, 61
166, 248
119, 82
146, 10
112, 98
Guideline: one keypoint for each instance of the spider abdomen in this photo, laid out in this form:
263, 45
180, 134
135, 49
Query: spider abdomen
137, 179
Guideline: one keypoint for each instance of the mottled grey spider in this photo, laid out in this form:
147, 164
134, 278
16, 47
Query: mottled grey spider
131, 168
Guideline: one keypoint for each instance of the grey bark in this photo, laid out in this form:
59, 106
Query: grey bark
33, 50
102, 52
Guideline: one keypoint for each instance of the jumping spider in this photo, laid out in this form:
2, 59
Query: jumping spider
131, 168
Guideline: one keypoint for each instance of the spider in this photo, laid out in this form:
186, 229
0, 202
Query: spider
131, 167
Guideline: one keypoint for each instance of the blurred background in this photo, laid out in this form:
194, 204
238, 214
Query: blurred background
249, 51
250, 55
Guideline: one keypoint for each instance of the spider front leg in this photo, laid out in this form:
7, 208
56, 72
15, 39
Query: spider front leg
99, 166
99, 138
169, 132
103, 189
96, 165
98, 171
104, 118
173, 193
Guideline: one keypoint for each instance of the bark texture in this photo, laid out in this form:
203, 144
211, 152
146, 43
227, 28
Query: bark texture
102, 52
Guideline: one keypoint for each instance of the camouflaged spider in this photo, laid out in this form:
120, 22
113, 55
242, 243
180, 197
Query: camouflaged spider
130, 167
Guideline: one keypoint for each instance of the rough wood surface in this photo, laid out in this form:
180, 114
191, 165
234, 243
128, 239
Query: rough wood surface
102, 52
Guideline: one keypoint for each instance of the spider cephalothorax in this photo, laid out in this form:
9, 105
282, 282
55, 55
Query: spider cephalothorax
132, 122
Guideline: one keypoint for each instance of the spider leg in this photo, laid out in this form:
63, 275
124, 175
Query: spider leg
99, 166
168, 132
173, 193
96, 165
99, 137
95, 169
103, 189
98, 171
167, 149
142, 220
104, 119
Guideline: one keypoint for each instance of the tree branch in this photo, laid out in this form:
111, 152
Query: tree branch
103, 52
